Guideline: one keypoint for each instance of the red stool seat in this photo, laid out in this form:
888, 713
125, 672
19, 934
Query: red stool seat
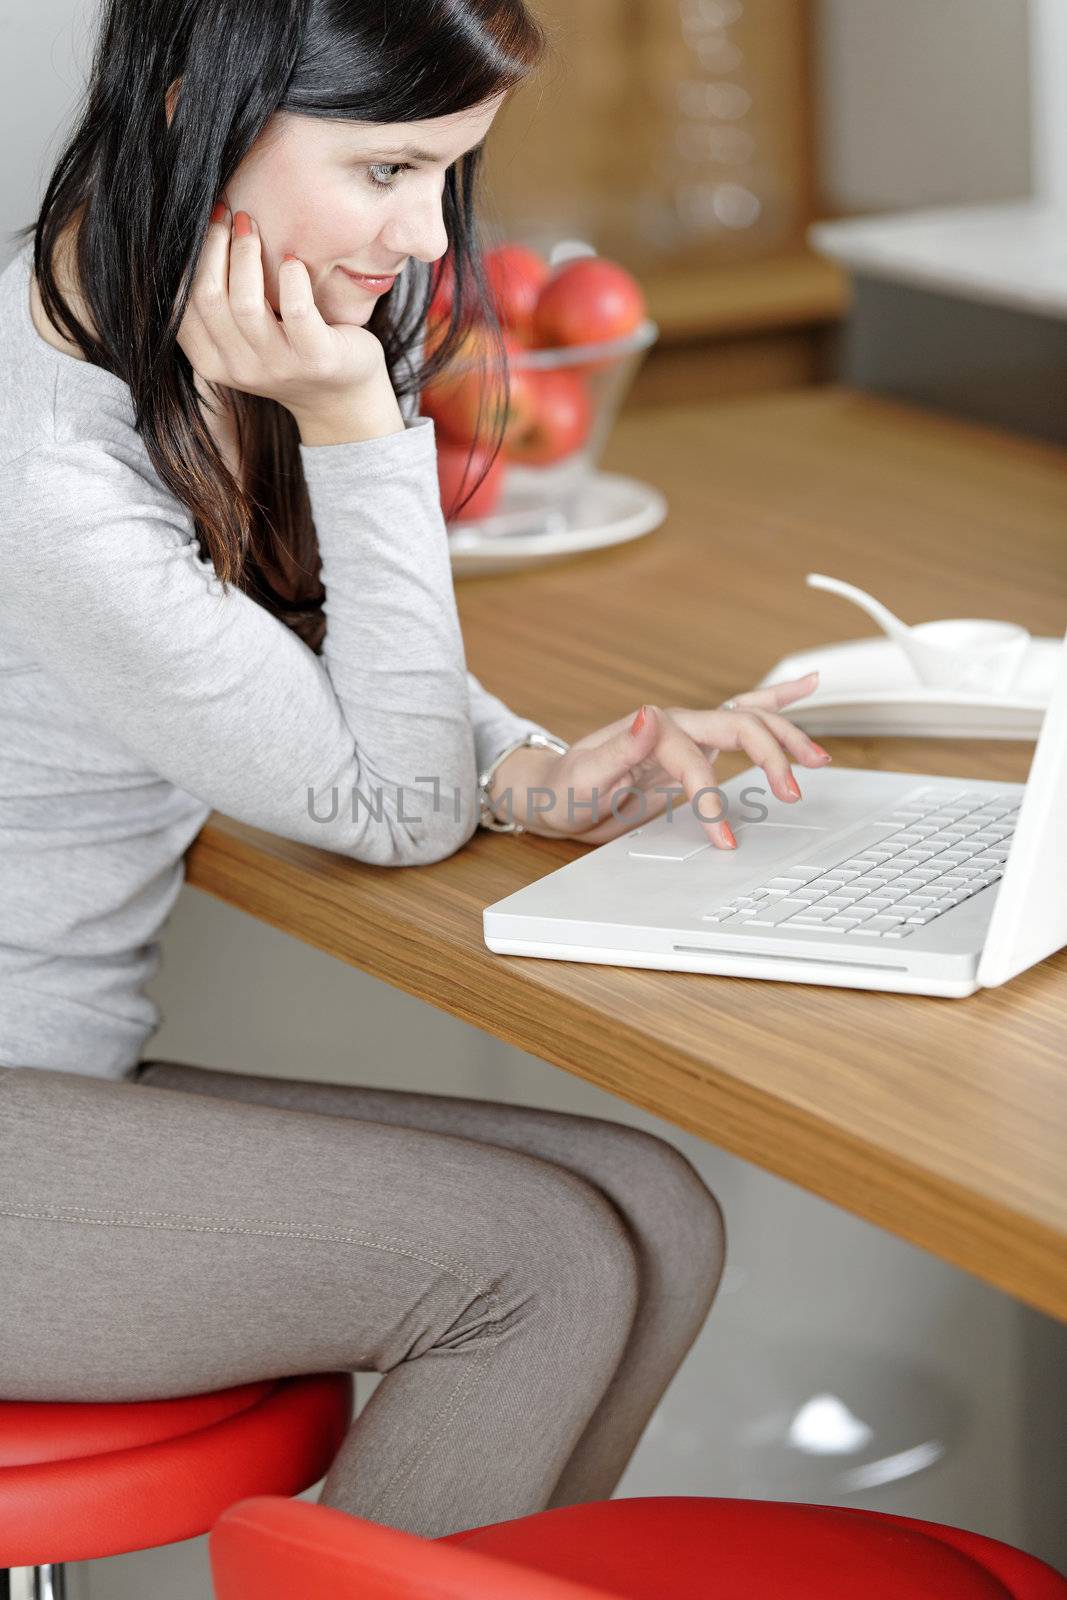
676, 1545
668, 1547
81, 1481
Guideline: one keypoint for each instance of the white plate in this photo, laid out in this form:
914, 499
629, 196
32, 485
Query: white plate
867, 686
609, 508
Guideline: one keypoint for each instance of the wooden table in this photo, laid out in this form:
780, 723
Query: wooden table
945, 1121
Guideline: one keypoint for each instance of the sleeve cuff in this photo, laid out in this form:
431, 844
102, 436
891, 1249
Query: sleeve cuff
370, 460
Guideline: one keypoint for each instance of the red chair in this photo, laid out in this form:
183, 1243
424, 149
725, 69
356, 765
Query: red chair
80, 1481
671, 1547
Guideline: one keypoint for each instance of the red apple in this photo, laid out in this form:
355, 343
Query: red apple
443, 393
452, 398
560, 424
455, 478
516, 277
588, 301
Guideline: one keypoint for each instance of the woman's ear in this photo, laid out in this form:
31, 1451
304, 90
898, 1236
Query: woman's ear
170, 98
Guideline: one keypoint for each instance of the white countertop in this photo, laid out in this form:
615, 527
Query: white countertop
1011, 254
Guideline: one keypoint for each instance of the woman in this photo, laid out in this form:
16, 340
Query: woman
224, 583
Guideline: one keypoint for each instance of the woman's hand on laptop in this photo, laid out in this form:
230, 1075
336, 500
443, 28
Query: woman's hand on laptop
622, 775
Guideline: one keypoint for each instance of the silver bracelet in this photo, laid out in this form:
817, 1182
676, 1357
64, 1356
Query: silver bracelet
487, 817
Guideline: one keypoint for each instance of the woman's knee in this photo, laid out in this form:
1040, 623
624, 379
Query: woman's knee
642, 1165
672, 1206
682, 1180
557, 1237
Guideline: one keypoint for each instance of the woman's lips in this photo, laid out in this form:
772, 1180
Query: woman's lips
374, 285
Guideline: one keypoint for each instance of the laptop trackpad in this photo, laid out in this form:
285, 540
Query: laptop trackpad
757, 842
760, 844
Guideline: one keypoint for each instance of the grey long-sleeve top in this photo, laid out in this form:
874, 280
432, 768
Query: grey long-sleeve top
136, 697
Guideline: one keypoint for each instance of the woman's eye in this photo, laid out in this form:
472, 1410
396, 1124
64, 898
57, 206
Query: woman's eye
388, 166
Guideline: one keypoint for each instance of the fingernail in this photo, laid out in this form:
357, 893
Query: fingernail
790, 784
242, 224
728, 836
219, 212
639, 721
819, 751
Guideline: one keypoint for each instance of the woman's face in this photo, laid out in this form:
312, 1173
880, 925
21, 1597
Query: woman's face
311, 183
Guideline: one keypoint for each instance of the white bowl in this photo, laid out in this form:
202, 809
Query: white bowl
966, 653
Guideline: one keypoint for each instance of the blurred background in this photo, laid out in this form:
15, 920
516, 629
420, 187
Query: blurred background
696, 142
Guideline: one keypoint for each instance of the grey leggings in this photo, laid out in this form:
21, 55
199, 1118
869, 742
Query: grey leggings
527, 1281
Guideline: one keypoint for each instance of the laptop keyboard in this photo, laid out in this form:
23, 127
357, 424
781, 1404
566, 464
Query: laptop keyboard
947, 848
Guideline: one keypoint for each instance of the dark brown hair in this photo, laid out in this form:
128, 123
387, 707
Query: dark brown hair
143, 192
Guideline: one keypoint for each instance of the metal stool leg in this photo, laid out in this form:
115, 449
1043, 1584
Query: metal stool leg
34, 1583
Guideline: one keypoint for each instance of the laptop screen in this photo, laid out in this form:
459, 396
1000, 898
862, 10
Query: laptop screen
1029, 920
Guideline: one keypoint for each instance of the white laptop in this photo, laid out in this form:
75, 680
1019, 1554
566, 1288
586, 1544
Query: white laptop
874, 880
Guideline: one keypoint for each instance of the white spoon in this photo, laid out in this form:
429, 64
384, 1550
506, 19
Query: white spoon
950, 653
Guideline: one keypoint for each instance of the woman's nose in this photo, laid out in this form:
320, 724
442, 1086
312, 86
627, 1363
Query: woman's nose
422, 235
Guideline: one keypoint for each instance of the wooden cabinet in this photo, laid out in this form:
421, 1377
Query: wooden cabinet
665, 132
675, 137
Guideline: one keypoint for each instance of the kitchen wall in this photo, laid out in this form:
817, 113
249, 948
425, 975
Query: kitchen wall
921, 104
